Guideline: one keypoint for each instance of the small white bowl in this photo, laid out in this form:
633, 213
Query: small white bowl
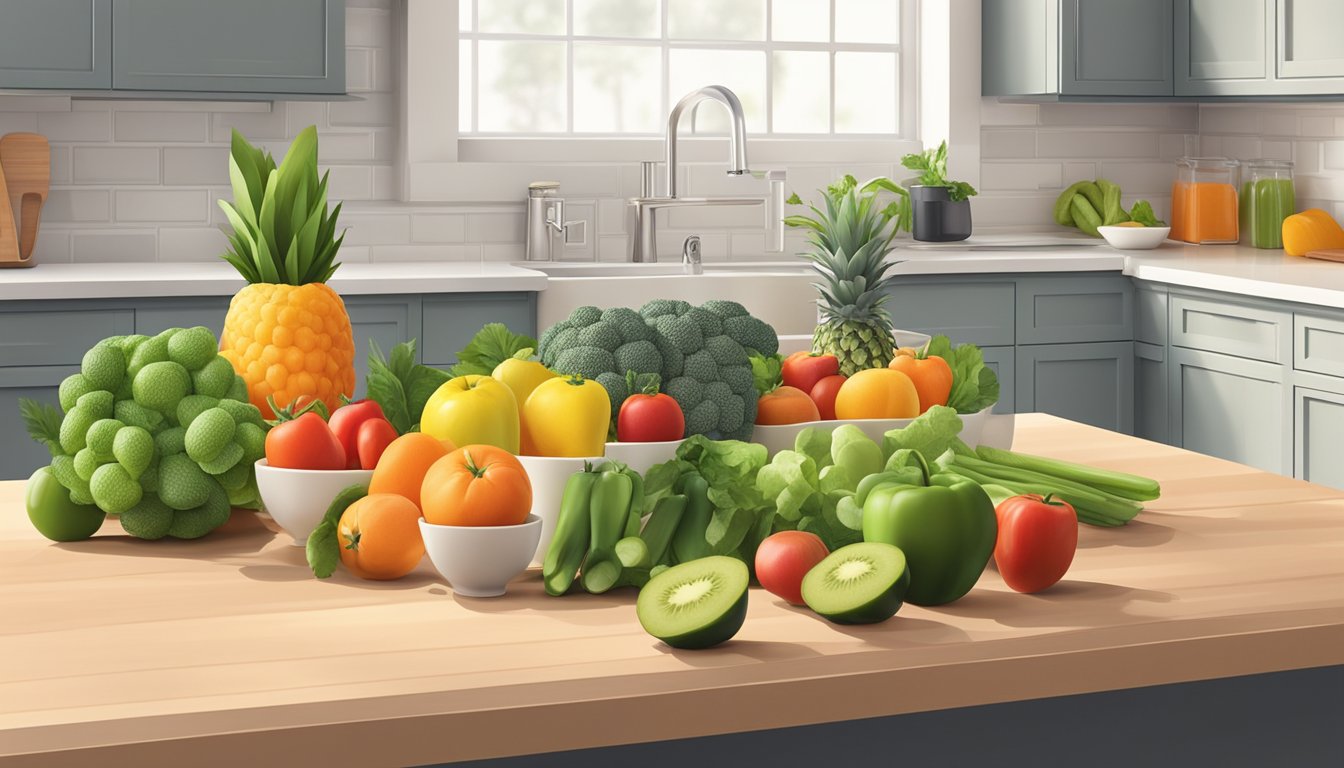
480, 560
781, 437
1134, 238
641, 456
549, 475
298, 498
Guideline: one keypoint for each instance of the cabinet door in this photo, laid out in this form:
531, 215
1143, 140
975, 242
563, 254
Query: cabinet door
1074, 308
1150, 392
967, 312
1231, 408
151, 317
258, 46
56, 44
452, 319
1318, 421
1090, 383
1115, 48
387, 322
1223, 47
1001, 361
20, 456
1310, 57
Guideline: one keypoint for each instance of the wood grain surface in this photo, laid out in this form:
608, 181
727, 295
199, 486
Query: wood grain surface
225, 651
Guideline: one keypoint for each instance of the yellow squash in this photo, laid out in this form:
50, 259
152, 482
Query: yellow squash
522, 376
472, 410
569, 417
1311, 230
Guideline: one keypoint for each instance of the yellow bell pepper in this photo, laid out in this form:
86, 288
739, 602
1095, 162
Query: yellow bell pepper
473, 410
1311, 230
568, 417
522, 376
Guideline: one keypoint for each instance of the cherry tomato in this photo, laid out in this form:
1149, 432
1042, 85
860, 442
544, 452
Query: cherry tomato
803, 370
823, 394
304, 443
646, 418
784, 558
1037, 539
345, 424
373, 438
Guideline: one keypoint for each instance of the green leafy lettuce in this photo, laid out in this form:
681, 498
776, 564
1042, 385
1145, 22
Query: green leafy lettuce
813, 486
491, 345
400, 385
1142, 212
933, 432
932, 165
766, 372
974, 384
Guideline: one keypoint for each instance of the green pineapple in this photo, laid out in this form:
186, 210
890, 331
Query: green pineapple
849, 242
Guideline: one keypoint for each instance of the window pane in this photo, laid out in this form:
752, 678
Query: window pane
716, 19
466, 86
802, 92
616, 18
536, 17
805, 20
522, 86
865, 93
867, 21
617, 88
742, 72
464, 15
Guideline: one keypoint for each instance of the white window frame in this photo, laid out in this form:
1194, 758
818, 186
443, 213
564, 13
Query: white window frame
442, 166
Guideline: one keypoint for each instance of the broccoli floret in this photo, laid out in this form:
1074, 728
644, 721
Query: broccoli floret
627, 323
686, 391
674, 362
724, 309
639, 356
724, 350
752, 333
617, 392
730, 405
659, 307
703, 419
682, 331
587, 362
701, 366
600, 335
739, 379
710, 324
584, 316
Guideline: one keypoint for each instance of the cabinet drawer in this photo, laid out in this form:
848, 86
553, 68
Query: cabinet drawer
1318, 344
1075, 309
160, 316
20, 456
967, 313
451, 321
59, 336
1232, 329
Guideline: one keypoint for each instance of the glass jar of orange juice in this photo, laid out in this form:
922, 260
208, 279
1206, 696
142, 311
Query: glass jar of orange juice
1204, 200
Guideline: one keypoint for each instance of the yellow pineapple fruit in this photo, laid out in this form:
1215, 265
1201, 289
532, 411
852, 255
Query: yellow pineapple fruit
286, 333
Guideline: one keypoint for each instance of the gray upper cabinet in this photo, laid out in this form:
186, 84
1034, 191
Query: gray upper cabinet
248, 46
1224, 47
1077, 48
56, 44
1310, 55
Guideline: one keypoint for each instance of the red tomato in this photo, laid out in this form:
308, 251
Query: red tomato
345, 423
784, 558
802, 370
373, 438
1037, 539
304, 443
823, 394
650, 419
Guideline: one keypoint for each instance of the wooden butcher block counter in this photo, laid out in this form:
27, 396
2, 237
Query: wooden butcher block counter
226, 651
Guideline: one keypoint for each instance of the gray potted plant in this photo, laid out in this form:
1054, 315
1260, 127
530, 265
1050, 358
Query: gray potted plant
941, 208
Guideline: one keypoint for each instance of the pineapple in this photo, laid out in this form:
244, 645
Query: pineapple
849, 244
286, 333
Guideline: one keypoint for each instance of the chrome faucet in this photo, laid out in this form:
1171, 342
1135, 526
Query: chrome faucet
690, 256
642, 210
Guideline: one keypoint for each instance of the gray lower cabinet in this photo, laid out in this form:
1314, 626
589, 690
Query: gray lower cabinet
452, 319
20, 456
1002, 360
159, 316
1089, 383
1151, 414
1232, 408
57, 44
971, 311
1318, 423
386, 321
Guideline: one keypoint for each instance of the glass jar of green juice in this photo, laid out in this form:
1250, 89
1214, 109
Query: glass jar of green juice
1266, 200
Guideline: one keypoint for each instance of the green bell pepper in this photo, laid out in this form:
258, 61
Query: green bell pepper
946, 528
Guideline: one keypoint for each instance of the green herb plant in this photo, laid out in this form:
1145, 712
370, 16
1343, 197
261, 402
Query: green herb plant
932, 167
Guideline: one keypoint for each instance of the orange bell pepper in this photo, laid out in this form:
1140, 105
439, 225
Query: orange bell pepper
931, 375
1311, 230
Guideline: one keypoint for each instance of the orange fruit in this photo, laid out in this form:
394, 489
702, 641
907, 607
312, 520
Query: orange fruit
786, 405
402, 467
877, 393
477, 485
379, 537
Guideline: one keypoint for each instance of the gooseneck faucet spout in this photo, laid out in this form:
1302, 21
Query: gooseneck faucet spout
737, 136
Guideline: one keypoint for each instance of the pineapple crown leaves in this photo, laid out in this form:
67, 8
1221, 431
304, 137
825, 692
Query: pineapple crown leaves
852, 216
283, 231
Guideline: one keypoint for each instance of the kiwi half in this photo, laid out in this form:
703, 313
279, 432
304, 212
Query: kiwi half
862, 583
697, 604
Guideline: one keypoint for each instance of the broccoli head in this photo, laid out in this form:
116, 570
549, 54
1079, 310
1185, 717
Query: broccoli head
740, 326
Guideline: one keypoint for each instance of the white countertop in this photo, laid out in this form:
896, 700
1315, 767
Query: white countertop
144, 280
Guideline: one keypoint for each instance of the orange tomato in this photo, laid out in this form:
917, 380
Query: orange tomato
877, 393
786, 405
932, 377
823, 394
379, 536
477, 485
402, 467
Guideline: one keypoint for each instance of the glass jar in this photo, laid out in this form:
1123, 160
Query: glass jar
1204, 200
1267, 198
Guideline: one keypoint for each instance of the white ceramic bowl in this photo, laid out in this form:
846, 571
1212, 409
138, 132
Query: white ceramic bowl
298, 498
790, 343
549, 475
1134, 238
781, 437
480, 560
641, 456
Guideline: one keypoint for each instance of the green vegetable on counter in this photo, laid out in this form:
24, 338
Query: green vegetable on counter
975, 386
401, 386
608, 511
569, 543
1087, 205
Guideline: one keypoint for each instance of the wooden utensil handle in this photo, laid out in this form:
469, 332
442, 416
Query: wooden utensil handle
30, 216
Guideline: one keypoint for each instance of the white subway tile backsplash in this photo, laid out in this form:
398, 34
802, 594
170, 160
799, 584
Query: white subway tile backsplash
1007, 144
1333, 157
1276, 150
1013, 210
359, 69
253, 125
335, 147
1020, 176
424, 253
748, 245
60, 163
76, 126
497, 227
162, 205
1095, 144
1318, 126
191, 243
350, 182
1141, 178
1231, 119
438, 228
161, 126
612, 248
368, 109
52, 246
34, 103
1076, 171
116, 165
195, 166
1306, 156
994, 112
506, 252
1241, 147
77, 206
1279, 121
15, 122
611, 213
372, 229
716, 217
385, 183
301, 114
368, 27
114, 245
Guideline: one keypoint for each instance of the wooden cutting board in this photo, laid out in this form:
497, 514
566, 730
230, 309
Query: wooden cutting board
26, 160
1329, 254
9, 235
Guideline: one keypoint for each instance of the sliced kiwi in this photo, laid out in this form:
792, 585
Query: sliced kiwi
696, 604
862, 583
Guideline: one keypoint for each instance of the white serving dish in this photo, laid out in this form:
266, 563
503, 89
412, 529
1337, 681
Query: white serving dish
974, 431
549, 475
297, 499
1134, 238
641, 456
480, 560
